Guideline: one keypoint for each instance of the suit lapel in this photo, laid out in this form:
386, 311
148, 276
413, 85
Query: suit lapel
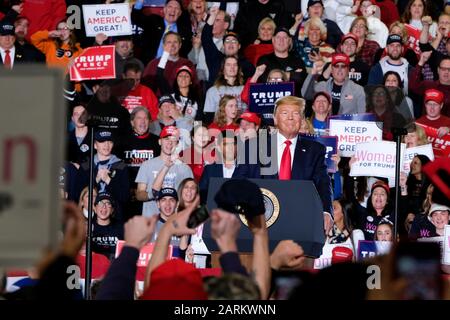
299, 157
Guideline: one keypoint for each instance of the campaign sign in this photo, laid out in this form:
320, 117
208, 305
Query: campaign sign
94, 63
368, 249
410, 153
110, 19
374, 159
31, 153
441, 146
330, 144
326, 257
145, 254
263, 97
350, 133
446, 253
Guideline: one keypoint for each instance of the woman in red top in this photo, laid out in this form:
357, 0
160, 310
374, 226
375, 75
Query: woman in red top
263, 44
200, 153
226, 116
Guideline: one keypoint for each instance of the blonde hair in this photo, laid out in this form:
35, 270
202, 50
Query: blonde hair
290, 100
83, 193
317, 22
307, 127
401, 25
421, 136
221, 117
267, 20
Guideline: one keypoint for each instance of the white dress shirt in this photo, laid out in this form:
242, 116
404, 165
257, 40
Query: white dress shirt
12, 53
228, 172
280, 148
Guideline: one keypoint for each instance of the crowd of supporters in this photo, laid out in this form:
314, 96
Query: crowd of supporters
178, 111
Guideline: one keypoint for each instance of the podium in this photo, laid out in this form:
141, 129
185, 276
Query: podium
293, 212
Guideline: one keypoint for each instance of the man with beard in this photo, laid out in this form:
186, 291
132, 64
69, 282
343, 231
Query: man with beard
392, 62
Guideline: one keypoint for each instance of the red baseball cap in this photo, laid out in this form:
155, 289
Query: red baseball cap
380, 184
340, 58
434, 95
175, 280
349, 36
250, 117
341, 254
184, 68
169, 131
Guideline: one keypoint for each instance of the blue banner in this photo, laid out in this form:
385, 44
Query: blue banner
355, 117
154, 3
330, 143
368, 249
263, 96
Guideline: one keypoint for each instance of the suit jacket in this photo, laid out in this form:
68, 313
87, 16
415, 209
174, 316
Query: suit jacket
309, 164
153, 26
215, 170
21, 56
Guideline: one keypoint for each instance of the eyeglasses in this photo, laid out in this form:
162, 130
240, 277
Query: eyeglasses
64, 28
360, 26
231, 41
444, 69
274, 80
104, 204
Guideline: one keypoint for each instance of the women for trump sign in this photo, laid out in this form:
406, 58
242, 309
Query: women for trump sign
375, 159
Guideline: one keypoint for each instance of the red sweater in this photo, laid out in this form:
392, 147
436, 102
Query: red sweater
388, 10
442, 121
141, 96
43, 14
419, 86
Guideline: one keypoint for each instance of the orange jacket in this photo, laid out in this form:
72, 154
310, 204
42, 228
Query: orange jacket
48, 46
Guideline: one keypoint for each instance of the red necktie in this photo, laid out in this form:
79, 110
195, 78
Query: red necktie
285, 165
7, 62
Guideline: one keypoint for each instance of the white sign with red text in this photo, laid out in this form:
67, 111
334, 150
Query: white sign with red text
410, 153
110, 19
351, 132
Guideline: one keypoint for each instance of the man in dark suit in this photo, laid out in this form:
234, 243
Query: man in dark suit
289, 157
155, 27
10, 54
226, 165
